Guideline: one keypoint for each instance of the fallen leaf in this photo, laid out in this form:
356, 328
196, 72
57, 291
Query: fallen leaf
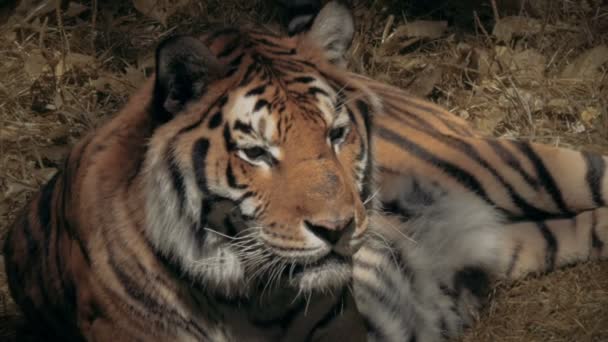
73, 60
75, 9
529, 65
425, 81
559, 106
35, 64
491, 118
508, 27
30, 9
120, 83
463, 113
54, 155
134, 76
411, 33
486, 64
516, 98
394, 46
159, 10
43, 91
589, 114
45, 174
13, 189
422, 29
585, 66
578, 127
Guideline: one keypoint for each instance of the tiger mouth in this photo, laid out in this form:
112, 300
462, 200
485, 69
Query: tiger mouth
329, 261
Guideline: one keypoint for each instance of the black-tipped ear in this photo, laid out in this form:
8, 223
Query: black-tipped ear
184, 67
299, 14
333, 30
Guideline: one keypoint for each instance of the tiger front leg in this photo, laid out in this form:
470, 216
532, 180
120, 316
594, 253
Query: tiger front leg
542, 246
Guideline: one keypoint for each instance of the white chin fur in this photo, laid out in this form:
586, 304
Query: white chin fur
327, 277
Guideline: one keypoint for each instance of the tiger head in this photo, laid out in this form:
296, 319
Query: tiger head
259, 168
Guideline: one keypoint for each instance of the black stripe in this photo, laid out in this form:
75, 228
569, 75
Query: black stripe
260, 104
253, 67
67, 287
551, 248
303, 79
529, 211
596, 242
367, 118
364, 111
256, 91
334, 312
317, 90
401, 264
66, 206
413, 121
243, 197
381, 274
220, 102
215, 120
235, 63
514, 259
264, 41
203, 221
509, 158
373, 329
460, 175
231, 229
199, 154
474, 279
446, 118
282, 52
285, 319
544, 175
231, 179
443, 327
177, 179
375, 293
230, 47
45, 205
596, 168
394, 207
222, 32
243, 127
228, 142
136, 291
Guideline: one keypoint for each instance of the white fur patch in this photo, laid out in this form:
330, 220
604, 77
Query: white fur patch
453, 233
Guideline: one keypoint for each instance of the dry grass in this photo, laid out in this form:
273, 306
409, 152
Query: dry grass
65, 72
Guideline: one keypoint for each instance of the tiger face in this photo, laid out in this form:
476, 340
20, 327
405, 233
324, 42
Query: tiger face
259, 170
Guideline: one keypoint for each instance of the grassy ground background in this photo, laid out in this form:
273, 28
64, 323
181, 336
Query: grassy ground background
523, 69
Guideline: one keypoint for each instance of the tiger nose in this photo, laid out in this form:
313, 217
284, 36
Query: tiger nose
331, 231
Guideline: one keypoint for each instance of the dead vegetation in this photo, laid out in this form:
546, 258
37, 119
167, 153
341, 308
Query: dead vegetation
533, 69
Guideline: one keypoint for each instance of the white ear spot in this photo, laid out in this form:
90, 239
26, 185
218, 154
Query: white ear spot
333, 31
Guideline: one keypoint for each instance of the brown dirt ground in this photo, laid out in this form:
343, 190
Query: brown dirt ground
64, 71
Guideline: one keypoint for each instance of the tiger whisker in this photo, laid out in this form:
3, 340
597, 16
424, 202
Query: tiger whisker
371, 197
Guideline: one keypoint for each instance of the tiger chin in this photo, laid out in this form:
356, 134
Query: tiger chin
256, 190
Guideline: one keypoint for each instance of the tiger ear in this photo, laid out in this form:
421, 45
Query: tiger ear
184, 67
333, 30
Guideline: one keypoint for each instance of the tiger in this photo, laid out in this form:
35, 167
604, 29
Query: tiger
255, 189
